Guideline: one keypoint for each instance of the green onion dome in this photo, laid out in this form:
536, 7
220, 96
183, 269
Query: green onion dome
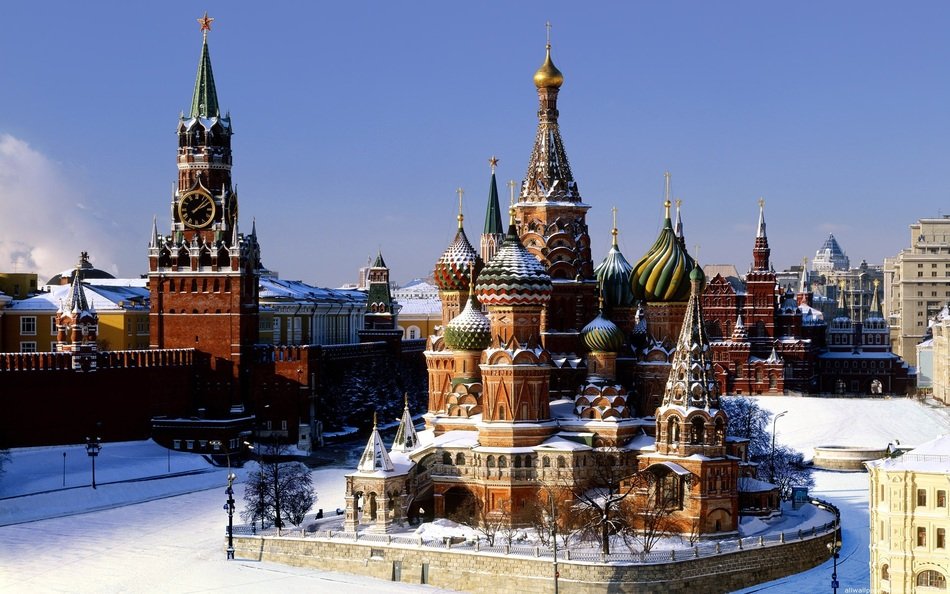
602, 335
454, 268
514, 276
470, 330
662, 275
613, 276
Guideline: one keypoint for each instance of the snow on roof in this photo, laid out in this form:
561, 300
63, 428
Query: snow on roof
417, 306
640, 441
753, 485
276, 288
560, 444
931, 457
101, 299
861, 355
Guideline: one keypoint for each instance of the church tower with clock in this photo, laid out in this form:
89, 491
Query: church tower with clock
203, 276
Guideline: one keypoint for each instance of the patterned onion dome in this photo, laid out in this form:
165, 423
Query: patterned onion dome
470, 330
514, 276
613, 276
602, 335
454, 268
663, 273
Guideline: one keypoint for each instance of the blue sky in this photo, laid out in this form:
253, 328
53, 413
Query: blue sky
355, 122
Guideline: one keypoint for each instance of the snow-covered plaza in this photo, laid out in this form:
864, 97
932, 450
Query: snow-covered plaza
156, 521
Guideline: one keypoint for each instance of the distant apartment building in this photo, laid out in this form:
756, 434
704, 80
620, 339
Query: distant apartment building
917, 284
910, 520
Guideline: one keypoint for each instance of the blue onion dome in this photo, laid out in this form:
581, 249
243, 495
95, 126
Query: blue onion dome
514, 276
602, 335
613, 276
454, 268
470, 330
662, 275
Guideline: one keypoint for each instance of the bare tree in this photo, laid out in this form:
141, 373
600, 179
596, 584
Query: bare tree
650, 515
278, 491
598, 498
472, 512
789, 470
550, 513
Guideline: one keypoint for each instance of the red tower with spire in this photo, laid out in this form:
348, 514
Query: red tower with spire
203, 276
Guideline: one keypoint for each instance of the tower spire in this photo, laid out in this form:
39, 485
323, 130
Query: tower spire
761, 251
204, 101
678, 226
494, 232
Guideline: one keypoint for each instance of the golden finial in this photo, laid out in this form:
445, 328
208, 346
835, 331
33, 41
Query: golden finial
548, 75
374, 420
667, 204
876, 283
493, 162
761, 202
613, 231
460, 192
511, 192
679, 202
405, 398
805, 262
511, 215
205, 23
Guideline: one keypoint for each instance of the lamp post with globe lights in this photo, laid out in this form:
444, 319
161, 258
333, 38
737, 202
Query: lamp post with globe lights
772, 451
229, 506
834, 547
93, 447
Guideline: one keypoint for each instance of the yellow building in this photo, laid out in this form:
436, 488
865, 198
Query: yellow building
910, 519
420, 310
18, 285
28, 325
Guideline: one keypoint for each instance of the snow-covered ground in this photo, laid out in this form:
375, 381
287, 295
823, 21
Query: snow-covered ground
166, 532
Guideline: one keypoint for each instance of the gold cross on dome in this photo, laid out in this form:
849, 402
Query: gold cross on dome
205, 22
511, 192
460, 192
547, 25
493, 162
761, 202
614, 211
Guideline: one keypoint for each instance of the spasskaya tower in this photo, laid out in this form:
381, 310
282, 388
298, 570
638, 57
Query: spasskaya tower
203, 276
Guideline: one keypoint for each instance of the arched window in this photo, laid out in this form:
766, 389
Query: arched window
932, 579
699, 431
561, 463
446, 458
502, 462
516, 461
460, 459
885, 574
546, 462
491, 461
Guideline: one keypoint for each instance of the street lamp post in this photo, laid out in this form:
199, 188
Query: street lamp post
93, 447
229, 506
835, 545
554, 539
772, 452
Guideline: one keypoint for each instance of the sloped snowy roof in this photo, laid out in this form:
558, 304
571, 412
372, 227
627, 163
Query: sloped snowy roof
931, 457
276, 288
748, 484
419, 306
101, 299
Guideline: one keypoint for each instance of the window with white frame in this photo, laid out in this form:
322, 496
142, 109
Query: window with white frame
52, 325
28, 325
276, 329
28, 347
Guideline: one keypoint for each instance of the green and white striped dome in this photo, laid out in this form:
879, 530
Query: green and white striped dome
514, 276
602, 335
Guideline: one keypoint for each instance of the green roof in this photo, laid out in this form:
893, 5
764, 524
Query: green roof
204, 102
493, 223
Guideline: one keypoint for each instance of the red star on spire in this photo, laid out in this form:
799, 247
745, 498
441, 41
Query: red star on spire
205, 22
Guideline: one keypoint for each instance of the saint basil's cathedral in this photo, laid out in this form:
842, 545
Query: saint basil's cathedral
547, 368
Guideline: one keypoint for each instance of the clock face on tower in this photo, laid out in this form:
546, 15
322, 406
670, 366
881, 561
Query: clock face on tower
196, 209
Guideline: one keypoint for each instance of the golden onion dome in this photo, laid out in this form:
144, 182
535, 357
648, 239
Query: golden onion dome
548, 75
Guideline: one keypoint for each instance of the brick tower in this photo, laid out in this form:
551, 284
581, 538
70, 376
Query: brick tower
203, 276
552, 224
